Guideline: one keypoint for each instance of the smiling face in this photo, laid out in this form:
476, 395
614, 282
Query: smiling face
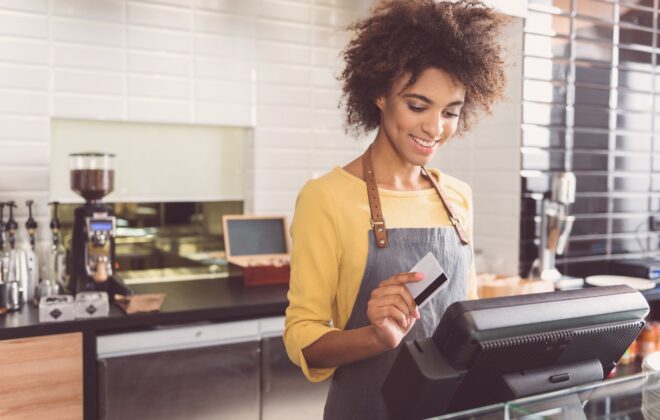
418, 120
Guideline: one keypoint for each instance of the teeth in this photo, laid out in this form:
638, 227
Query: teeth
422, 142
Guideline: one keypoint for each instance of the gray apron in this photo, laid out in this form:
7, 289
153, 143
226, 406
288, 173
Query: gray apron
355, 389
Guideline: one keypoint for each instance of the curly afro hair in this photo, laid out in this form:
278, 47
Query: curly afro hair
410, 36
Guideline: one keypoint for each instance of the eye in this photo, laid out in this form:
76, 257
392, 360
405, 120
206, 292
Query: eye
451, 114
414, 108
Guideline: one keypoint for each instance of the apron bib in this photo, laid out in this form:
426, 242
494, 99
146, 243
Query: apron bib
355, 389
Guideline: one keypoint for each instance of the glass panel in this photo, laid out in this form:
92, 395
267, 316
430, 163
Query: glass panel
545, 46
592, 75
635, 59
582, 248
591, 118
589, 205
595, 9
634, 101
630, 224
635, 80
560, 5
591, 183
636, 16
541, 68
590, 161
542, 160
544, 92
599, 31
640, 163
592, 97
589, 140
536, 184
632, 183
635, 37
656, 163
630, 204
535, 136
645, 3
623, 245
634, 122
546, 23
590, 226
633, 143
543, 114
591, 51
656, 183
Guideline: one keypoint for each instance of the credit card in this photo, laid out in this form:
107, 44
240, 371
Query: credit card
434, 277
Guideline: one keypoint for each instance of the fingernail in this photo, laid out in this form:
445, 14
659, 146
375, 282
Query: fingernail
417, 314
419, 275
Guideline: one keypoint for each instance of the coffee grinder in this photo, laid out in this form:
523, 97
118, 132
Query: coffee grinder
92, 266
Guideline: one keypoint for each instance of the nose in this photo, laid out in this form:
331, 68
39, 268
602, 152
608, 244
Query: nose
434, 126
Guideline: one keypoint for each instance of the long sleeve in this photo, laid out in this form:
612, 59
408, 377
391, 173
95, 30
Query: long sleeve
314, 276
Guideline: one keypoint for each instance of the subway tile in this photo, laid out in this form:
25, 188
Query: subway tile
545, 69
83, 32
283, 138
160, 17
84, 106
285, 53
630, 204
240, 115
629, 245
583, 161
279, 117
224, 69
237, 26
23, 77
158, 87
582, 248
324, 78
543, 114
158, 110
325, 98
23, 179
327, 57
159, 40
634, 143
22, 153
223, 91
270, 179
554, 92
158, 63
23, 25
330, 38
180, 3
630, 224
328, 159
344, 4
633, 163
496, 226
281, 159
326, 119
287, 11
333, 17
634, 122
23, 103
23, 51
112, 10
88, 57
590, 140
225, 47
72, 81
632, 183
591, 118
536, 136
592, 74
283, 31
24, 128
591, 183
589, 226
498, 160
280, 73
36, 6
590, 205
243, 7
546, 46
533, 159
283, 95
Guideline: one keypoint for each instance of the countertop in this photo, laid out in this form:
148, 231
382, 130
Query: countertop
222, 299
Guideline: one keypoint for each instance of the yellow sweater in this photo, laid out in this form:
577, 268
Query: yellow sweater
330, 231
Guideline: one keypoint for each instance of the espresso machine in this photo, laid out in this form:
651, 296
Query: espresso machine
92, 262
556, 225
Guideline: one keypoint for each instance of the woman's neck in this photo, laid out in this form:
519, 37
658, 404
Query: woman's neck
392, 171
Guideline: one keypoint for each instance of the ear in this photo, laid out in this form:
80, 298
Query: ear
380, 102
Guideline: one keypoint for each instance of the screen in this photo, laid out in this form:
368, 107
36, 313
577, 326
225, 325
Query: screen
256, 236
494, 350
100, 225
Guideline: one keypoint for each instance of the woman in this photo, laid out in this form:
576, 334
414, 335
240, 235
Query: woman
417, 71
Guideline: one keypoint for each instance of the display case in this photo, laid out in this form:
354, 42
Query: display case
630, 397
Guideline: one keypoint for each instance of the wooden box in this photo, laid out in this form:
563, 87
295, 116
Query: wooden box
259, 247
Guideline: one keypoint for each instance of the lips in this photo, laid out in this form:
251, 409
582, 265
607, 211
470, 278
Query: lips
424, 143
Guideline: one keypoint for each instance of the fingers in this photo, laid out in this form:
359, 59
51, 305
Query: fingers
392, 312
396, 290
403, 278
395, 300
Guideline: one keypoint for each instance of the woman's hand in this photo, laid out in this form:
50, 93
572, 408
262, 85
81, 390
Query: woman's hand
392, 310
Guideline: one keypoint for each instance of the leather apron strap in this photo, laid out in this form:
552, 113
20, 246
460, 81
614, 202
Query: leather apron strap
377, 220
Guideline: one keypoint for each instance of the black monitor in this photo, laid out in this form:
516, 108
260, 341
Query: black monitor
494, 350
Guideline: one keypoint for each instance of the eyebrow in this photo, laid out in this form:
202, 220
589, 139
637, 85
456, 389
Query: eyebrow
427, 100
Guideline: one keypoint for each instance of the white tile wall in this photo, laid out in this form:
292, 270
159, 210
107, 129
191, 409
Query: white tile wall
267, 64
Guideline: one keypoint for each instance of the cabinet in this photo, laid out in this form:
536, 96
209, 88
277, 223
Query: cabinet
42, 377
286, 393
201, 372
